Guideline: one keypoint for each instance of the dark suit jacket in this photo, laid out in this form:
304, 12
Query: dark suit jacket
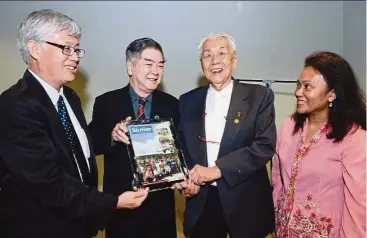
41, 193
109, 109
246, 147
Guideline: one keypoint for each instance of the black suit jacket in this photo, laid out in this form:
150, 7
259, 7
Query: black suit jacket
109, 109
41, 192
244, 189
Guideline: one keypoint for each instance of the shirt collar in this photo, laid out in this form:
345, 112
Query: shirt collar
134, 96
51, 91
225, 92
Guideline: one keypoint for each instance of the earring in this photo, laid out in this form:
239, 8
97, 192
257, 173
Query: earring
331, 104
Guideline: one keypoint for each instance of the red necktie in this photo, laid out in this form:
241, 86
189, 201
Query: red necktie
140, 115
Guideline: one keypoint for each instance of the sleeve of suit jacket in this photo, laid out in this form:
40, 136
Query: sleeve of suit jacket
31, 157
237, 166
180, 134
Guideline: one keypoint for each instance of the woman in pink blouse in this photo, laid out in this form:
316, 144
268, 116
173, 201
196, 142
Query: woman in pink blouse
319, 170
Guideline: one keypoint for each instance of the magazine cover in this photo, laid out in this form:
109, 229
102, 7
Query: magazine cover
156, 156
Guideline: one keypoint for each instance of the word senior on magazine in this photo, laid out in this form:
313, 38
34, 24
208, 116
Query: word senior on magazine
141, 129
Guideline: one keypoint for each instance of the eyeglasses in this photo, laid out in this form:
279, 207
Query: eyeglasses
67, 50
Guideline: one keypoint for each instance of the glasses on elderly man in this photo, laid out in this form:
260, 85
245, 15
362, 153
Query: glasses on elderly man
67, 50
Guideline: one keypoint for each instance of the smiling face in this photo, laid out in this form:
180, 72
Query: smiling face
50, 63
146, 73
218, 60
312, 93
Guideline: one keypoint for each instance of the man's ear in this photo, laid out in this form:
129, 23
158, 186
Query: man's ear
235, 60
34, 49
129, 67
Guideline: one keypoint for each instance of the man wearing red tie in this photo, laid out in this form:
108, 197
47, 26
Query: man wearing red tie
138, 100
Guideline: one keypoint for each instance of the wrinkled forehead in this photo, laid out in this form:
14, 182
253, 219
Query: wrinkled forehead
216, 42
64, 36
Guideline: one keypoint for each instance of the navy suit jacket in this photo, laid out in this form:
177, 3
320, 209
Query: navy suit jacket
246, 147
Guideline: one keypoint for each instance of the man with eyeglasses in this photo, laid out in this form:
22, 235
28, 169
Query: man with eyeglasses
68, 50
227, 132
48, 172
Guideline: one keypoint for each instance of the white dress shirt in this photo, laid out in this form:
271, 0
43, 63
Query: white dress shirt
216, 110
54, 96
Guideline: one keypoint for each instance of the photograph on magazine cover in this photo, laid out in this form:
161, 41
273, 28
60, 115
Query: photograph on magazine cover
157, 161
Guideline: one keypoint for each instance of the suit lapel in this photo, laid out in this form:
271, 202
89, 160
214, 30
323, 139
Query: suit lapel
235, 117
155, 106
76, 107
199, 125
36, 88
124, 105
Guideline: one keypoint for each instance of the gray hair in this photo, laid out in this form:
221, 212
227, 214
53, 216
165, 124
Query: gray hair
220, 35
43, 23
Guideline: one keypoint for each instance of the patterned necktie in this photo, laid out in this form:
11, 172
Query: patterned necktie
141, 115
73, 141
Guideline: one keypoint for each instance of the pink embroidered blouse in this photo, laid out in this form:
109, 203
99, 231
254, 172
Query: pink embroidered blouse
319, 192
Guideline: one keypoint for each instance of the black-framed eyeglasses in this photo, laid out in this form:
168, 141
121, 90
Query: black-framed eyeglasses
68, 50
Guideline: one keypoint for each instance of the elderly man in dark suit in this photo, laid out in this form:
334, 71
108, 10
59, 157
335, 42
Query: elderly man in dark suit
48, 172
228, 134
139, 100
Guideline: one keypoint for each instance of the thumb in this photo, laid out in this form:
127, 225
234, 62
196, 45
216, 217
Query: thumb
140, 193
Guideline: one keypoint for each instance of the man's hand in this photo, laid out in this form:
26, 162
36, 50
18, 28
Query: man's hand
131, 199
120, 130
187, 188
200, 174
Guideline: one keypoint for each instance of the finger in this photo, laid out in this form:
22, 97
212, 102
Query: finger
195, 179
196, 189
185, 193
140, 193
113, 133
173, 187
123, 127
189, 188
128, 120
121, 130
176, 186
116, 137
200, 181
123, 136
117, 130
120, 138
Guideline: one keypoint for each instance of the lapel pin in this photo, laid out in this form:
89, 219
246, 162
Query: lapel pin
156, 117
236, 121
239, 114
